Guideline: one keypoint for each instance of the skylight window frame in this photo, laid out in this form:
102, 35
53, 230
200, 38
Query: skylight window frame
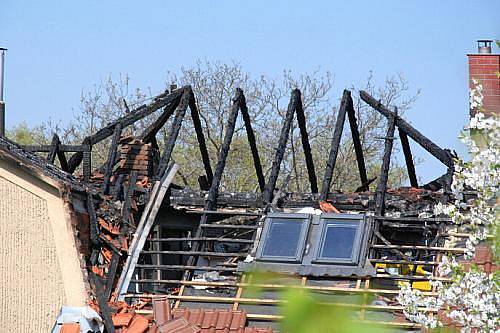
327, 219
305, 219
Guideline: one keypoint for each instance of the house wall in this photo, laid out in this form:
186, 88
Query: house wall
39, 263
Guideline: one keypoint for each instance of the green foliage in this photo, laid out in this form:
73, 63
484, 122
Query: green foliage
304, 313
25, 135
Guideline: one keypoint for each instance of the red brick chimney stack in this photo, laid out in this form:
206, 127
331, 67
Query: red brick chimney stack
483, 67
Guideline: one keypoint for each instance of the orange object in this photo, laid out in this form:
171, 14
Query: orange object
70, 328
122, 319
99, 271
327, 207
139, 324
115, 230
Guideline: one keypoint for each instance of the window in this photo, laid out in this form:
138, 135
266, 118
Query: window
284, 237
340, 239
313, 245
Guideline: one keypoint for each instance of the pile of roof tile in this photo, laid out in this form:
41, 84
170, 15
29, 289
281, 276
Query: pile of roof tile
184, 320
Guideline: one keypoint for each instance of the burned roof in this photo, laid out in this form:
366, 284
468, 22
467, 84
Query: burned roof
35, 164
150, 240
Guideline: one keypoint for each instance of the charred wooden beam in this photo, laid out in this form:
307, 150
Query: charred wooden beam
436, 151
365, 186
280, 152
102, 301
358, 149
205, 157
253, 144
174, 133
334, 149
87, 165
64, 148
77, 158
384, 170
408, 158
211, 202
54, 148
150, 132
301, 120
111, 157
117, 190
110, 278
62, 160
437, 184
130, 118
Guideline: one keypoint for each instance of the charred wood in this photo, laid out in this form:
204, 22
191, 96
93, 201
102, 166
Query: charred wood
301, 120
408, 158
413, 133
280, 152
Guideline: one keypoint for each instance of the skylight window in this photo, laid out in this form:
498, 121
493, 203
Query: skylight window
284, 237
313, 245
340, 239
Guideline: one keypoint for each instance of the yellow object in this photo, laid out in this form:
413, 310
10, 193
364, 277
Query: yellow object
407, 269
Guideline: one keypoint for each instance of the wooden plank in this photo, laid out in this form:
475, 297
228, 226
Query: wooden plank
150, 132
301, 120
335, 145
147, 220
253, 144
384, 169
53, 149
174, 133
239, 292
405, 144
267, 195
205, 157
111, 158
358, 149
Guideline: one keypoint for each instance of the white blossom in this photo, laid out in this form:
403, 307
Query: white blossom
472, 298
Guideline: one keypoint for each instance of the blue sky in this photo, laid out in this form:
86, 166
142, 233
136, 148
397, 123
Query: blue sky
58, 48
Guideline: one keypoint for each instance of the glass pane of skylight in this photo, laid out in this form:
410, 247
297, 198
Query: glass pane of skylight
338, 242
282, 238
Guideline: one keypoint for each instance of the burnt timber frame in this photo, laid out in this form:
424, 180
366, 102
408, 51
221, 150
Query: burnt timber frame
294, 106
239, 103
346, 106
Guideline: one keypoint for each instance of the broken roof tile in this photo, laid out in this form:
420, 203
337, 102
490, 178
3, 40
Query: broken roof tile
161, 311
122, 319
139, 324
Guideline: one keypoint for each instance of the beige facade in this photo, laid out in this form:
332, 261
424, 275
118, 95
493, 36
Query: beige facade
39, 263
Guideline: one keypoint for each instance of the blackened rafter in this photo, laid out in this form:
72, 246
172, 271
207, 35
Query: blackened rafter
405, 144
358, 149
335, 145
301, 120
130, 118
444, 156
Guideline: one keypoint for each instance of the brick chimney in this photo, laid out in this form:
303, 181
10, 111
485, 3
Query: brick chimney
483, 67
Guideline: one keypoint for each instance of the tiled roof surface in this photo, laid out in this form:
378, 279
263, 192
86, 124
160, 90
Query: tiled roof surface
220, 320
217, 320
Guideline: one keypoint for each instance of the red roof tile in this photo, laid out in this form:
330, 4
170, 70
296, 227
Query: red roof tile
178, 325
122, 319
211, 320
161, 311
139, 324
